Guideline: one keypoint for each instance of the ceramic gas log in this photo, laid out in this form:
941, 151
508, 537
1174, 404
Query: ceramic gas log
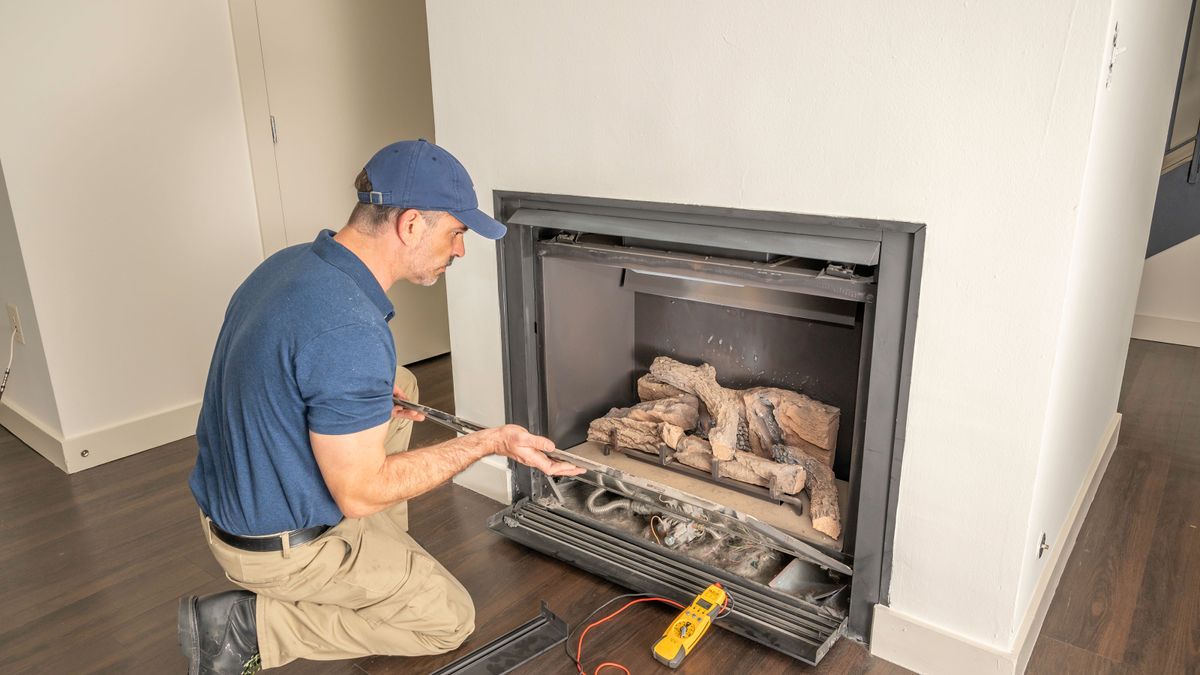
764, 436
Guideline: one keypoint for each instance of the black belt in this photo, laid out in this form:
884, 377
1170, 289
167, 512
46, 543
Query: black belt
273, 542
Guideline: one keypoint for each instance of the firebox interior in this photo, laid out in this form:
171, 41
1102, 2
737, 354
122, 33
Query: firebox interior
603, 323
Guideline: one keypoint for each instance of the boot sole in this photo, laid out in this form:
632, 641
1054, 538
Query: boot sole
189, 633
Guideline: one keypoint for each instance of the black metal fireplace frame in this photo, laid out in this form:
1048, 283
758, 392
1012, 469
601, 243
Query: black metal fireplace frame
896, 247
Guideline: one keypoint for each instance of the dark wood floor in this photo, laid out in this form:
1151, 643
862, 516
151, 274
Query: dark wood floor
1129, 599
91, 564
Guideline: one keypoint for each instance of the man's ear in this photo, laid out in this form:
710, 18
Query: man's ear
406, 225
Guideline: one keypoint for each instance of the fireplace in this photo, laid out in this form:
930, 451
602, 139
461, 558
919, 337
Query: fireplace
594, 290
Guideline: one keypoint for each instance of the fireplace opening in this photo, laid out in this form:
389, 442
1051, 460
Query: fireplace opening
734, 384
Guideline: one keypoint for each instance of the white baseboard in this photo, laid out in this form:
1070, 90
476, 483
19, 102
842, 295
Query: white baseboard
33, 432
1171, 331
101, 446
1043, 593
130, 438
489, 477
932, 650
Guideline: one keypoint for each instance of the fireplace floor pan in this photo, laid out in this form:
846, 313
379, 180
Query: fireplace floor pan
774, 618
790, 518
752, 560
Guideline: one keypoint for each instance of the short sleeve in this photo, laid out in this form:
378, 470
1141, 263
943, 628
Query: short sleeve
345, 377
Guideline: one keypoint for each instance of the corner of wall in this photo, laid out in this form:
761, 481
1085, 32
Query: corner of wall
34, 433
32, 408
490, 477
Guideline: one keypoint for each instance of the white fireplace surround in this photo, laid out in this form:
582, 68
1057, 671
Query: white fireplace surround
995, 124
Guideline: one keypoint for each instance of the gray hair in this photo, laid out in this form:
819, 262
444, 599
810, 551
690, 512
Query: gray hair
372, 218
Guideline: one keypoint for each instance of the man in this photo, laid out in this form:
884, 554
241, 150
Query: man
300, 477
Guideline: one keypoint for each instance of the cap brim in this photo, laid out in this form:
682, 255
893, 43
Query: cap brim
481, 223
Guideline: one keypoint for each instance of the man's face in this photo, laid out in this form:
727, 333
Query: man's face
440, 243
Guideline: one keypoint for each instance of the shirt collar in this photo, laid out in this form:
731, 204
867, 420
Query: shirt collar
332, 252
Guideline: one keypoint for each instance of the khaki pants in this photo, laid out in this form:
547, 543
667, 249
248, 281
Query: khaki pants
364, 587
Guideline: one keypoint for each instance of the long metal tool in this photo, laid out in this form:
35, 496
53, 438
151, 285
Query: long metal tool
452, 422
456, 423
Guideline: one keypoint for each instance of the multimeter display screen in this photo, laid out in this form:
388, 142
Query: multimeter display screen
704, 604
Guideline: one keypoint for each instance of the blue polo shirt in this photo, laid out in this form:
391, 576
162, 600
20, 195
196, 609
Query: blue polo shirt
305, 345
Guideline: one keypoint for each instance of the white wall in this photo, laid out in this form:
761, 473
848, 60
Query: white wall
1115, 207
1168, 308
972, 118
29, 394
125, 155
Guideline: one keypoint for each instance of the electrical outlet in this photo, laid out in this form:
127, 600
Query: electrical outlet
14, 321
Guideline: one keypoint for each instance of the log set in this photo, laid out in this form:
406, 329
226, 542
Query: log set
765, 436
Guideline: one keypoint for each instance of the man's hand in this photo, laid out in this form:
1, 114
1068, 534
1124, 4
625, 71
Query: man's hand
400, 411
515, 442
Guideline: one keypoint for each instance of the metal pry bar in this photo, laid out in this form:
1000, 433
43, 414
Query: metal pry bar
452, 422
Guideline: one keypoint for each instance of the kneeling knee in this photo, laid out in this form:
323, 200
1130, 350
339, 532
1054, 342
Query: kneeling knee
459, 627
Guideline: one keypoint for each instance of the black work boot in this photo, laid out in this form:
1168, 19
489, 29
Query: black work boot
217, 634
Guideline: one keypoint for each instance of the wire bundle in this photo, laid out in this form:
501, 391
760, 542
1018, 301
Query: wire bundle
12, 343
726, 608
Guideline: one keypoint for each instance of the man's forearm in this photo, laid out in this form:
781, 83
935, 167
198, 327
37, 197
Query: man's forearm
405, 475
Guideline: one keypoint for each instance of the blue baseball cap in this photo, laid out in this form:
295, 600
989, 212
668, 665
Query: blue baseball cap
421, 175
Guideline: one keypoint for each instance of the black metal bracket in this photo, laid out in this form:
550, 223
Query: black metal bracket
513, 649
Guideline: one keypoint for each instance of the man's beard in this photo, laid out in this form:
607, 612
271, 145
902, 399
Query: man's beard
431, 277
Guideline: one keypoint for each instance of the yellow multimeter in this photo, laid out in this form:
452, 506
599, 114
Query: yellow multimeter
686, 630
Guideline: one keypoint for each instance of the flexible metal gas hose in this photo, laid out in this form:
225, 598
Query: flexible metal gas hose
615, 504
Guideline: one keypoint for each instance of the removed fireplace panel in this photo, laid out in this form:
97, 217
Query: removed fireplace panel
781, 516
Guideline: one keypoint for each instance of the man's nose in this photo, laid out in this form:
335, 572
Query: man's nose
460, 247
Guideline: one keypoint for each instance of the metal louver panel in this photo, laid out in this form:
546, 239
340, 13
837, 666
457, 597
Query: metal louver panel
771, 618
